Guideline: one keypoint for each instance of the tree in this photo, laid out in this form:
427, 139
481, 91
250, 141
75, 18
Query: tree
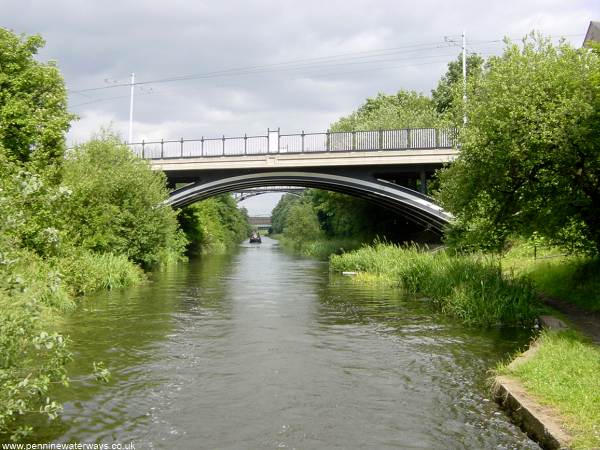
117, 204
406, 109
280, 212
214, 223
443, 95
530, 153
301, 223
33, 105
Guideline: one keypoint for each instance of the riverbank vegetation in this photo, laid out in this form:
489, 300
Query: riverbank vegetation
71, 222
320, 223
471, 288
296, 221
529, 167
573, 278
214, 225
563, 374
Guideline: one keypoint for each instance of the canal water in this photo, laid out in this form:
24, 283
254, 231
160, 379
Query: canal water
262, 350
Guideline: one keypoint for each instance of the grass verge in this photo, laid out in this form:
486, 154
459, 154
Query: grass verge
574, 279
563, 374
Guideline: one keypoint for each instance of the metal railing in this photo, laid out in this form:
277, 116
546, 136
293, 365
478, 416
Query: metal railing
270, 144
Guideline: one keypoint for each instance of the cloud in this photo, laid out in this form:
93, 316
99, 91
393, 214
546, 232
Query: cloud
108, 40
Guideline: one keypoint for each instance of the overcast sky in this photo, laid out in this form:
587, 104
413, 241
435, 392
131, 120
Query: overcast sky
255, 64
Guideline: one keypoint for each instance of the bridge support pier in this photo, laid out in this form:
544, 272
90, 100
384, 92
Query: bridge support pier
423, 187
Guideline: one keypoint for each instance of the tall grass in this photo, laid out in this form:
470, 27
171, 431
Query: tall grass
86, 272
473, 289
320, 248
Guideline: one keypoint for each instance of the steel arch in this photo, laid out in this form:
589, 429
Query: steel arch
413, 205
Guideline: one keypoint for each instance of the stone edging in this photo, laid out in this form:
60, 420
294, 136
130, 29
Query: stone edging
539, 422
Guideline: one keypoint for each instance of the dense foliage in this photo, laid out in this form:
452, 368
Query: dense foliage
32, 355
116, 204
406, 109
214, 224
444, 95
530, 153
33, 105
280, 212
319, 223
61, 240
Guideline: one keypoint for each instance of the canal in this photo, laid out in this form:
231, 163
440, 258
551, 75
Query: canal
260, 349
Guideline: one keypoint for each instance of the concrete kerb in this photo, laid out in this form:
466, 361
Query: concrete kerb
540, 422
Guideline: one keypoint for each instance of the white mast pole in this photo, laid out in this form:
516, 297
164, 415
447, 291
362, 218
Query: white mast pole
131, 108
464, 71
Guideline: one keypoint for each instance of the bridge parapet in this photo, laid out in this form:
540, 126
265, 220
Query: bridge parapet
243, 194
264, 221
275, 143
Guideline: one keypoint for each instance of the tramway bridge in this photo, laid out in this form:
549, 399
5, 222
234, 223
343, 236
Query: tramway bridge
388, 167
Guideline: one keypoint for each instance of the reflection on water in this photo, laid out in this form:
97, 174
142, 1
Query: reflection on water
260, 349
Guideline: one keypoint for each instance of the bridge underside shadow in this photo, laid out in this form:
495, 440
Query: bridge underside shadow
408, 203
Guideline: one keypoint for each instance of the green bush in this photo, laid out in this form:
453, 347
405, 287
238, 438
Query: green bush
116, 204
32, 355
301, 225
530, 158
33, 106
280, 212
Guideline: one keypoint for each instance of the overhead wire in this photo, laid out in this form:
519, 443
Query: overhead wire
307, 61
299, 62
313, 63
316, 75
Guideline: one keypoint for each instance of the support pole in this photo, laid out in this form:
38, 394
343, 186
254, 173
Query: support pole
464, 72
131, 108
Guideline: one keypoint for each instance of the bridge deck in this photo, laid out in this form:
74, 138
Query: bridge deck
435, 157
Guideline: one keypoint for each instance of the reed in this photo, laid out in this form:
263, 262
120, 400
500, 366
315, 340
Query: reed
86, 272
320, 248
470, 288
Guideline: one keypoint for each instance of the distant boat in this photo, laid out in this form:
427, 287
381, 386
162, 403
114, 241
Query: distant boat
255, 238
